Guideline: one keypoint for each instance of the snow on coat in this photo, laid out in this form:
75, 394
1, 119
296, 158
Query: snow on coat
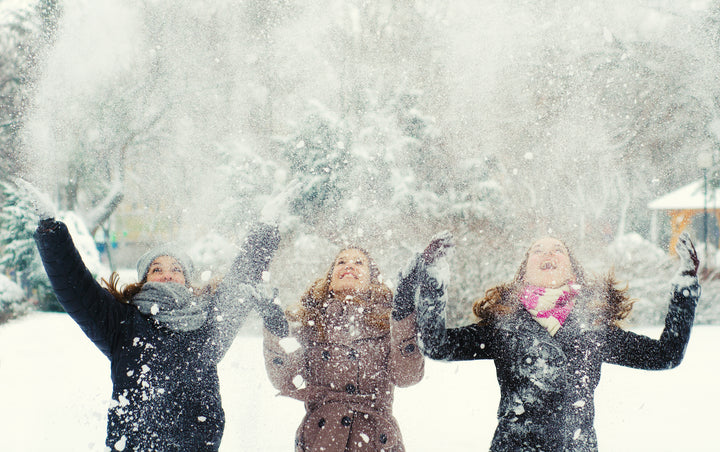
166, 393
547, 383
347, 379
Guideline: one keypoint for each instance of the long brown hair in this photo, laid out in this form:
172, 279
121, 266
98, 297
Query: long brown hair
608, 303
376, 301
122, 294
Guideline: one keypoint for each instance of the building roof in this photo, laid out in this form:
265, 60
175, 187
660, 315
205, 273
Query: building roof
689, 197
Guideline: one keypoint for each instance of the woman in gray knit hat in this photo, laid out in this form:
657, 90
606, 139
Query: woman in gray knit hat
163, 337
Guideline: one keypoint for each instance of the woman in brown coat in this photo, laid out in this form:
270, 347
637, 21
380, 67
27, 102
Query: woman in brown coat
352, 348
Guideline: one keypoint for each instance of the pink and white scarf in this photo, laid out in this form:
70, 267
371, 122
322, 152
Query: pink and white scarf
549, 307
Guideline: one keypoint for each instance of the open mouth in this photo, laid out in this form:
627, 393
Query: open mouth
350, 274
549, 265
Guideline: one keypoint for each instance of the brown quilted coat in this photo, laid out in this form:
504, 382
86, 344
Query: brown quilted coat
346, 378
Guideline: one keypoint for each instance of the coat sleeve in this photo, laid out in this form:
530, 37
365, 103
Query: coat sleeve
634, 350
229, 308
407, 365
93, 308
237, 295
437, 341
285, 365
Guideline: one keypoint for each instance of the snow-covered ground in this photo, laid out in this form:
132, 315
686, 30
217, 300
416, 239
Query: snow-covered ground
55, 386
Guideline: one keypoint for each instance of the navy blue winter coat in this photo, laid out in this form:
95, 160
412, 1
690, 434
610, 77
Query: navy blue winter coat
547, 383
166, 395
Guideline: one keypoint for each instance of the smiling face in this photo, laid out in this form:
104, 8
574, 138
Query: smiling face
351, 273
548, 264
165, 269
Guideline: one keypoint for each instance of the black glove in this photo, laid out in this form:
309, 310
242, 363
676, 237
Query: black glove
256, 253
416, 275
689, 261
439, 246
272, 314
404, 301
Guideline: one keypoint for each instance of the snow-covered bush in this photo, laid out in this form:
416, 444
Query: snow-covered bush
647, 270
633, 255
481, 260
19, 253
12, 299
318, 157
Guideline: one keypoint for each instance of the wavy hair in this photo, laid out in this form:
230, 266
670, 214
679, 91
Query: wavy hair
376, 301
604, 301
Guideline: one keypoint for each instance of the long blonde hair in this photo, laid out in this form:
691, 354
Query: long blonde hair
376, 301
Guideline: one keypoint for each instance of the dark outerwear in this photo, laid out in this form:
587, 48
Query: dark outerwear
547, 383
166, 394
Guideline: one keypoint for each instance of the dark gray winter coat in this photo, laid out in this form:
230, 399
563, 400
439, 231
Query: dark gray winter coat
166, 394
547, 383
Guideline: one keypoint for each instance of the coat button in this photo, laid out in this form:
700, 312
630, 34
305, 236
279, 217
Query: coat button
278, 361
352, 354
383, 438
350, 388
346, 421
325, 355
321, 422
410, 348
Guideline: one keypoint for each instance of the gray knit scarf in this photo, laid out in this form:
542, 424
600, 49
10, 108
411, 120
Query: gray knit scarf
172, 305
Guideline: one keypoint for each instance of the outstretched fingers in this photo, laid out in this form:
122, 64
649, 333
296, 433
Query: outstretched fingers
439, 246
689, 261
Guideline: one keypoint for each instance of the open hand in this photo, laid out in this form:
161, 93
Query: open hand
439, 246
256, 252
689, 261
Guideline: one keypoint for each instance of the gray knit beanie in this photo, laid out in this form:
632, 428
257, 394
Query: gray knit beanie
143, 264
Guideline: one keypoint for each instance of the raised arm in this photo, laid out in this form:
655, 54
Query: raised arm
633, 350
423, 283
406, 363
240, 290
448, 344
93, 308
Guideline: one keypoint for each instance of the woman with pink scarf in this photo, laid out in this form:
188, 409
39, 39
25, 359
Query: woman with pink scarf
549, 331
